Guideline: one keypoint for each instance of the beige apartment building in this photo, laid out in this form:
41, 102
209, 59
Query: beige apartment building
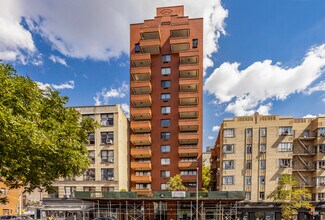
251, 153
108, 153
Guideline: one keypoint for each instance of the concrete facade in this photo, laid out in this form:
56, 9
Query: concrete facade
166, 71
13, 197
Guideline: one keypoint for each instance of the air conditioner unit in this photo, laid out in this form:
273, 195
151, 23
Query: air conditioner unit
111, 160
109, 141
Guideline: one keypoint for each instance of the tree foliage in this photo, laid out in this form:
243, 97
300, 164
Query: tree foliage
40, 139
175, 183
291, 197
206, 178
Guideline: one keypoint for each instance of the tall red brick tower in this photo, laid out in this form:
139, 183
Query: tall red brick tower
166, 77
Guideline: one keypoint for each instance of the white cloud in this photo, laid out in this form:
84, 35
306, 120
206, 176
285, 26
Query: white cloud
210, 137
216, 128
96, 31
252, 89
319, 87
65, 85
310, 116
126, 109
323, 99
57, 59
105, 95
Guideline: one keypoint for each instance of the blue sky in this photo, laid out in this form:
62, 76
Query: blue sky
266, 56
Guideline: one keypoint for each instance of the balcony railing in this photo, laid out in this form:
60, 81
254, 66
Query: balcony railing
141, 165
140, 179
141, 113
188, 112
141, 73
140, 59
188, 137
141, 153
187, 165
140, 87
140, 101
141, 139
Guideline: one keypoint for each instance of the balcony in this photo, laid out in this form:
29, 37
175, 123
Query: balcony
188, 178
180, 32
150, 32
141, 113
141, 73
179, 44
189, 58
140, 59
141, 139
188, 85
141, 191
140, 126
188, 151
140, 179
139, 87
188, 72
141, 153
188, 138
140, 166
151, 46
187, 165
188, 99
140, 101
188, 125
188, 112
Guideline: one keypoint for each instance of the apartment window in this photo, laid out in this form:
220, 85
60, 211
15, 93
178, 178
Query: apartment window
54, 193
107, 137
107, 156
188, 172
190, 184
262, 148
321, 148
107, 174
165, 148
166, 58
163, 186
89, 188
248, 180
263, 132
228, 180
143, 173
262, 195
195, 43
321, 132
321, 164
262, 164
165, 71
69, 190
165, 161
143, 186
320, 180
249, 132
287, 130
188, 159
285, 146
164, 173
229, 132
248, 164
283, 163
165, 97
247, 195
91, 156
137, 48
228, 164
92, 116
107, 119
91, 138
165, 122
3, 191
165, 135
165, 110
89, 175
228, 148
248, 149
108, 189
262, 180
321, 196
165, 84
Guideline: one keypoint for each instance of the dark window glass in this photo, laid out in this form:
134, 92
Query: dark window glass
165, 122
165, 58
165, 135
165, 84
137, 48
165, 96
195, 43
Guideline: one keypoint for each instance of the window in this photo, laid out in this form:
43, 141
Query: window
107, 174
285, 130
165, 135
107, 137
91, 155
195, 43
228, 148
228, 164
91, 138
108, 189
248, 164
188, 159
92, 116
321, 132
262, 164
143, 173
283, 163
165, 71
164, 173
69, 190
262, 180
263, 132
54, 193
107, 156
89, 175
89, 188
321, 148
165, 97
165, 148
228, 180
188, 172
165, 161
249, 132
165, 58
143, 186
163, 186
248, 180
165, 110
321, 164
248, 149
262, 196
228, 132
262, 148
190, 184
320, 180
165, 122
165, 84
247, 195
137, 48
285, 146
107, 119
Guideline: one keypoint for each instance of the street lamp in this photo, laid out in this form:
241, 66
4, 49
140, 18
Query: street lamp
197, 193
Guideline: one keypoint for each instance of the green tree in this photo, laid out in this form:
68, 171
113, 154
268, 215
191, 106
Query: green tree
206, 178
290, 196
40, 139
175, 183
